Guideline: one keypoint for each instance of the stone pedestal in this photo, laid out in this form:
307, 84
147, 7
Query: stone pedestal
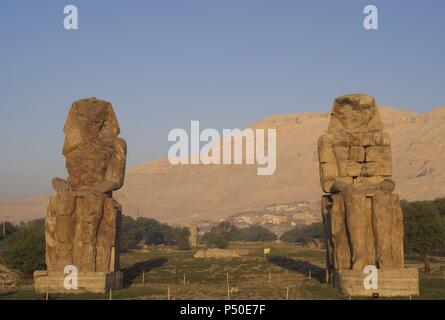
391, 282
95, 282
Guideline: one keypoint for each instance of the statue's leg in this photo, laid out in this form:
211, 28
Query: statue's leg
397, 233
106, 238
388, 230
359, 226
339, 238
64, 229
382, 224
326, 214
89, 213
50, 234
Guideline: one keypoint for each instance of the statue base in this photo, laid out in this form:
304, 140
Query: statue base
94, 282
400, 282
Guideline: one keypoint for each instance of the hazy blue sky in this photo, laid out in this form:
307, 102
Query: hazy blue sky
226, 63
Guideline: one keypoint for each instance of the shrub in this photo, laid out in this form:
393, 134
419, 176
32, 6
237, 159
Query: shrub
182, 238
424, 229
25, 249
220, 235
151, 232
304, 234
254, 233
218, 240
9, 229
225, 232
130, 237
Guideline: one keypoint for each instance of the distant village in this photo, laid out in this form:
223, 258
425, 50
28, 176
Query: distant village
277, 218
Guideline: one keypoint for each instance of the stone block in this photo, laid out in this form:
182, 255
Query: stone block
378, 153
370, 180
357, 153
342, 139
95, 282
365, 138
341, 153
329, 169
325, 150
347, 180
349, 168
385, 168
401, 282
370, 169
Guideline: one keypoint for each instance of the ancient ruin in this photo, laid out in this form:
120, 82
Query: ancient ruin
193, 238
82, 224
362, 216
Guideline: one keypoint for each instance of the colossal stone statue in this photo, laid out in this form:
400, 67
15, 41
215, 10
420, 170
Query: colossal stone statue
362, 217
83, 220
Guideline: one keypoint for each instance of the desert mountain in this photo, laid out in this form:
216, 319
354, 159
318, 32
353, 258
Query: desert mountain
182, 193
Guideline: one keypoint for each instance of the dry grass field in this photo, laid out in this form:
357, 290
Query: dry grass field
159, 272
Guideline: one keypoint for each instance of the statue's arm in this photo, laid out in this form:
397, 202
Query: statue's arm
114, 178
329, 175
60, 185
387, 185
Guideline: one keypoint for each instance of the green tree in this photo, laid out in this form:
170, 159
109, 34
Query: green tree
181, 238
130, 237
439, 205
220, 235
219, 241
304, 234
151, 232
424, 230
25, 249
225, 228
9, 229
254, 233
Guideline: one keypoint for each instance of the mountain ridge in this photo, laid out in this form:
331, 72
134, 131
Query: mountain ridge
177, 194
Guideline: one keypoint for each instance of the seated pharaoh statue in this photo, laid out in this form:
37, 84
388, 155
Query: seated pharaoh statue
83, 220
362, 216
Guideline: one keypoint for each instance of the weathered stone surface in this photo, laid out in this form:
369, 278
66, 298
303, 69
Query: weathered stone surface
378, 153
363, 220
355, 113
96, 282
341, 153
391, 282
369, 169
83, 219
370, 180
338, 250
193, 236
349, 168
357, 153
329, 170
325, 150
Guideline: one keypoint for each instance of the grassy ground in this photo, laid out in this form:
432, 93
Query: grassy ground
284, 274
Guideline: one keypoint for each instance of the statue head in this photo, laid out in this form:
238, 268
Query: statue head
354, 113
90, 120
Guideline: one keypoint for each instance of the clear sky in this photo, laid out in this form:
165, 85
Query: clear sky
226, 63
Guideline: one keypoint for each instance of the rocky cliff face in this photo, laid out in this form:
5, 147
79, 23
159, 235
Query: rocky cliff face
181, 193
